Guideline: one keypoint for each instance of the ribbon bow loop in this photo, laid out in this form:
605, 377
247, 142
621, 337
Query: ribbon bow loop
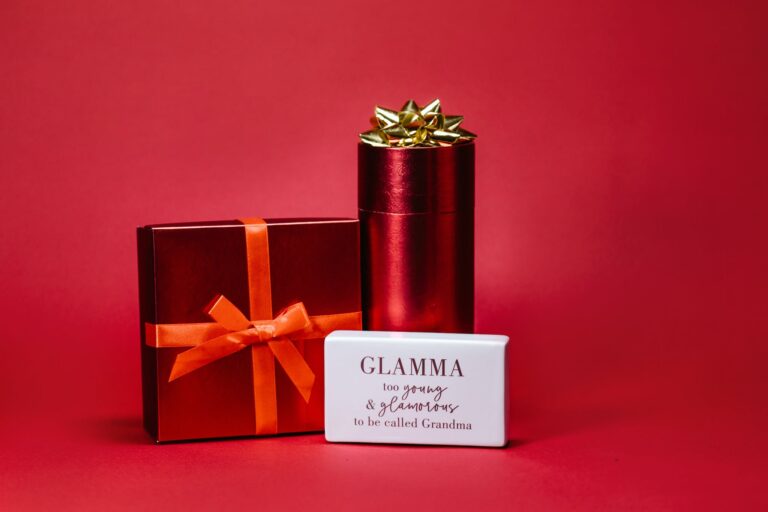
291, 320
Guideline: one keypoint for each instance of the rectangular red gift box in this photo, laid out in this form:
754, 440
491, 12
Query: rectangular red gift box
234, 315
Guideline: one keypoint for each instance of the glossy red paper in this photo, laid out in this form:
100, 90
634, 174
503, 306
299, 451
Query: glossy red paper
184, 266
416, 209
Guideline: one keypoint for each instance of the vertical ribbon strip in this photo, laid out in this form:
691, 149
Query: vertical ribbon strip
260, 295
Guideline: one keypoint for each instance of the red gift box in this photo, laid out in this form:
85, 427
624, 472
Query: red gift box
234, 314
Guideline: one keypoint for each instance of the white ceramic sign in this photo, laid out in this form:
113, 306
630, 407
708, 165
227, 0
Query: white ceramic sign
419, 388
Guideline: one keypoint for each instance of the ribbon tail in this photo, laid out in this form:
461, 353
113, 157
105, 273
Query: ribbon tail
264, 389
205, 353
294, 365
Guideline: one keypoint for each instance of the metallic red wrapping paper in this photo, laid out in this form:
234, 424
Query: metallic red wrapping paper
182, 266
416, 209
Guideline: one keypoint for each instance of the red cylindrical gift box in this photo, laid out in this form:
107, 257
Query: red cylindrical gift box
417, 234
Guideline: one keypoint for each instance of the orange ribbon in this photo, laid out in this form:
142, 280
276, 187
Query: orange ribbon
269, 340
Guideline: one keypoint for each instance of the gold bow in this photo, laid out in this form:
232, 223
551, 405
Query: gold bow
415, 126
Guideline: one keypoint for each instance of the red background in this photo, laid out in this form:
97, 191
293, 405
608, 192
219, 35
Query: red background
621, 237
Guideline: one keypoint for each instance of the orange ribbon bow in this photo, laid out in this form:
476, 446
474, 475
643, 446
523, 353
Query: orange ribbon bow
244, 333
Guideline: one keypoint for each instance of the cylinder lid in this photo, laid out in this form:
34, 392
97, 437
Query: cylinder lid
416, 179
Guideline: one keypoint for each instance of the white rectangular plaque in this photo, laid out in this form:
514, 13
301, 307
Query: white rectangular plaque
418, 388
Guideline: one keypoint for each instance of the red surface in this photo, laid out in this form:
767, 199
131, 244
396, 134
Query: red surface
621, 184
